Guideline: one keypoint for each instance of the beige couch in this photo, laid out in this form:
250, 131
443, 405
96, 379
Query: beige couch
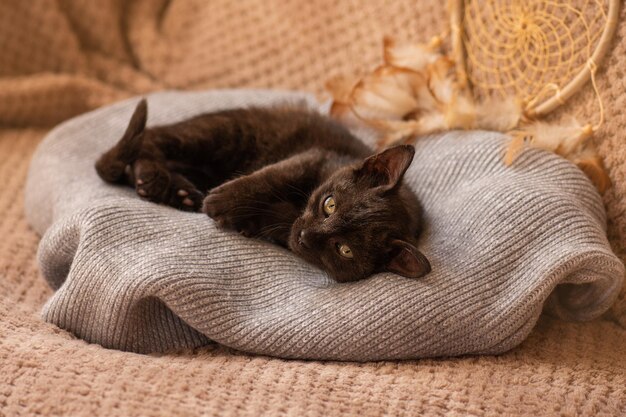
59, 59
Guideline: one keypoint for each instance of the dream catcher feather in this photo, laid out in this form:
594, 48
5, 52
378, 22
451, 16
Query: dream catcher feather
509, 64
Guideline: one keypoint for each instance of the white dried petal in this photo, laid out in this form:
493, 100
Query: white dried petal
390, 93
498, 114
341, 87
441, 80
413, 56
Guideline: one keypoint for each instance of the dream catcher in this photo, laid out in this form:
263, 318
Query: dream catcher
510, 63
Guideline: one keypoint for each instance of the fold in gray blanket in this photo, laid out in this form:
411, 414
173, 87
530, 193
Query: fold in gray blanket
136, 276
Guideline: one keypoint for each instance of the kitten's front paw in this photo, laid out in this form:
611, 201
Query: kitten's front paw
216, 205
226, 209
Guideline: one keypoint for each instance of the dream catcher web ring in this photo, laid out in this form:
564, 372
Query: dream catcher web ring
528, 19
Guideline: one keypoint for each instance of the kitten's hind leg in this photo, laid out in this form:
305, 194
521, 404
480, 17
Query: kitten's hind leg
154, 182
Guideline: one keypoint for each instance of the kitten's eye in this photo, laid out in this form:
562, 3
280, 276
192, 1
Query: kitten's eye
344, 250
329, 205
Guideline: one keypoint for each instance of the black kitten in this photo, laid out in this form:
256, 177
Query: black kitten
286, 174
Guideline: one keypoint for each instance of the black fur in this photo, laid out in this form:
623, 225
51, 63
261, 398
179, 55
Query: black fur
266, 173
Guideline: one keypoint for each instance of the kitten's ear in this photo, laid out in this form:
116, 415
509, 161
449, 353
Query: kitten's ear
386, 168
406, 260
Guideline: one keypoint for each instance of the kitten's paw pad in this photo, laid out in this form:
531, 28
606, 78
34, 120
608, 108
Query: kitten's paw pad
187, 200
151, 181
183, 195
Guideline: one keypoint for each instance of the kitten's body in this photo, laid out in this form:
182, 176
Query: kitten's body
269, 170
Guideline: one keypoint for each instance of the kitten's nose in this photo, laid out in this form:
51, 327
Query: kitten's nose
302, 238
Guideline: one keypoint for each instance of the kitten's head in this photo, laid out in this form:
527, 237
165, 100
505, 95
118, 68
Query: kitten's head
362, 220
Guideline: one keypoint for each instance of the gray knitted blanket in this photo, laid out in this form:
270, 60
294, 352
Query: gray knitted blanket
503, 243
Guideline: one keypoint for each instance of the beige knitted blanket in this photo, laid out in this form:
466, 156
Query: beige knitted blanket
61, 58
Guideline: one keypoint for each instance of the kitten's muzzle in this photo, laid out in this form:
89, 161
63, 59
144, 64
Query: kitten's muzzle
303, 239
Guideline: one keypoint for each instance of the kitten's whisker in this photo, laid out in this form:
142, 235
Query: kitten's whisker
272, 228
298, 191
248, 211
268, 230
282, 224
273, 191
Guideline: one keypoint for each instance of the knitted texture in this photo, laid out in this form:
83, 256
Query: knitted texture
137, 276
61, 58
563, 368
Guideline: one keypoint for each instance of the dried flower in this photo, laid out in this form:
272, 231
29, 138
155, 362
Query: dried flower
416, 92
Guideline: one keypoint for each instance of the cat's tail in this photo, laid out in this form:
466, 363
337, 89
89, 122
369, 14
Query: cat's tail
111, 166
